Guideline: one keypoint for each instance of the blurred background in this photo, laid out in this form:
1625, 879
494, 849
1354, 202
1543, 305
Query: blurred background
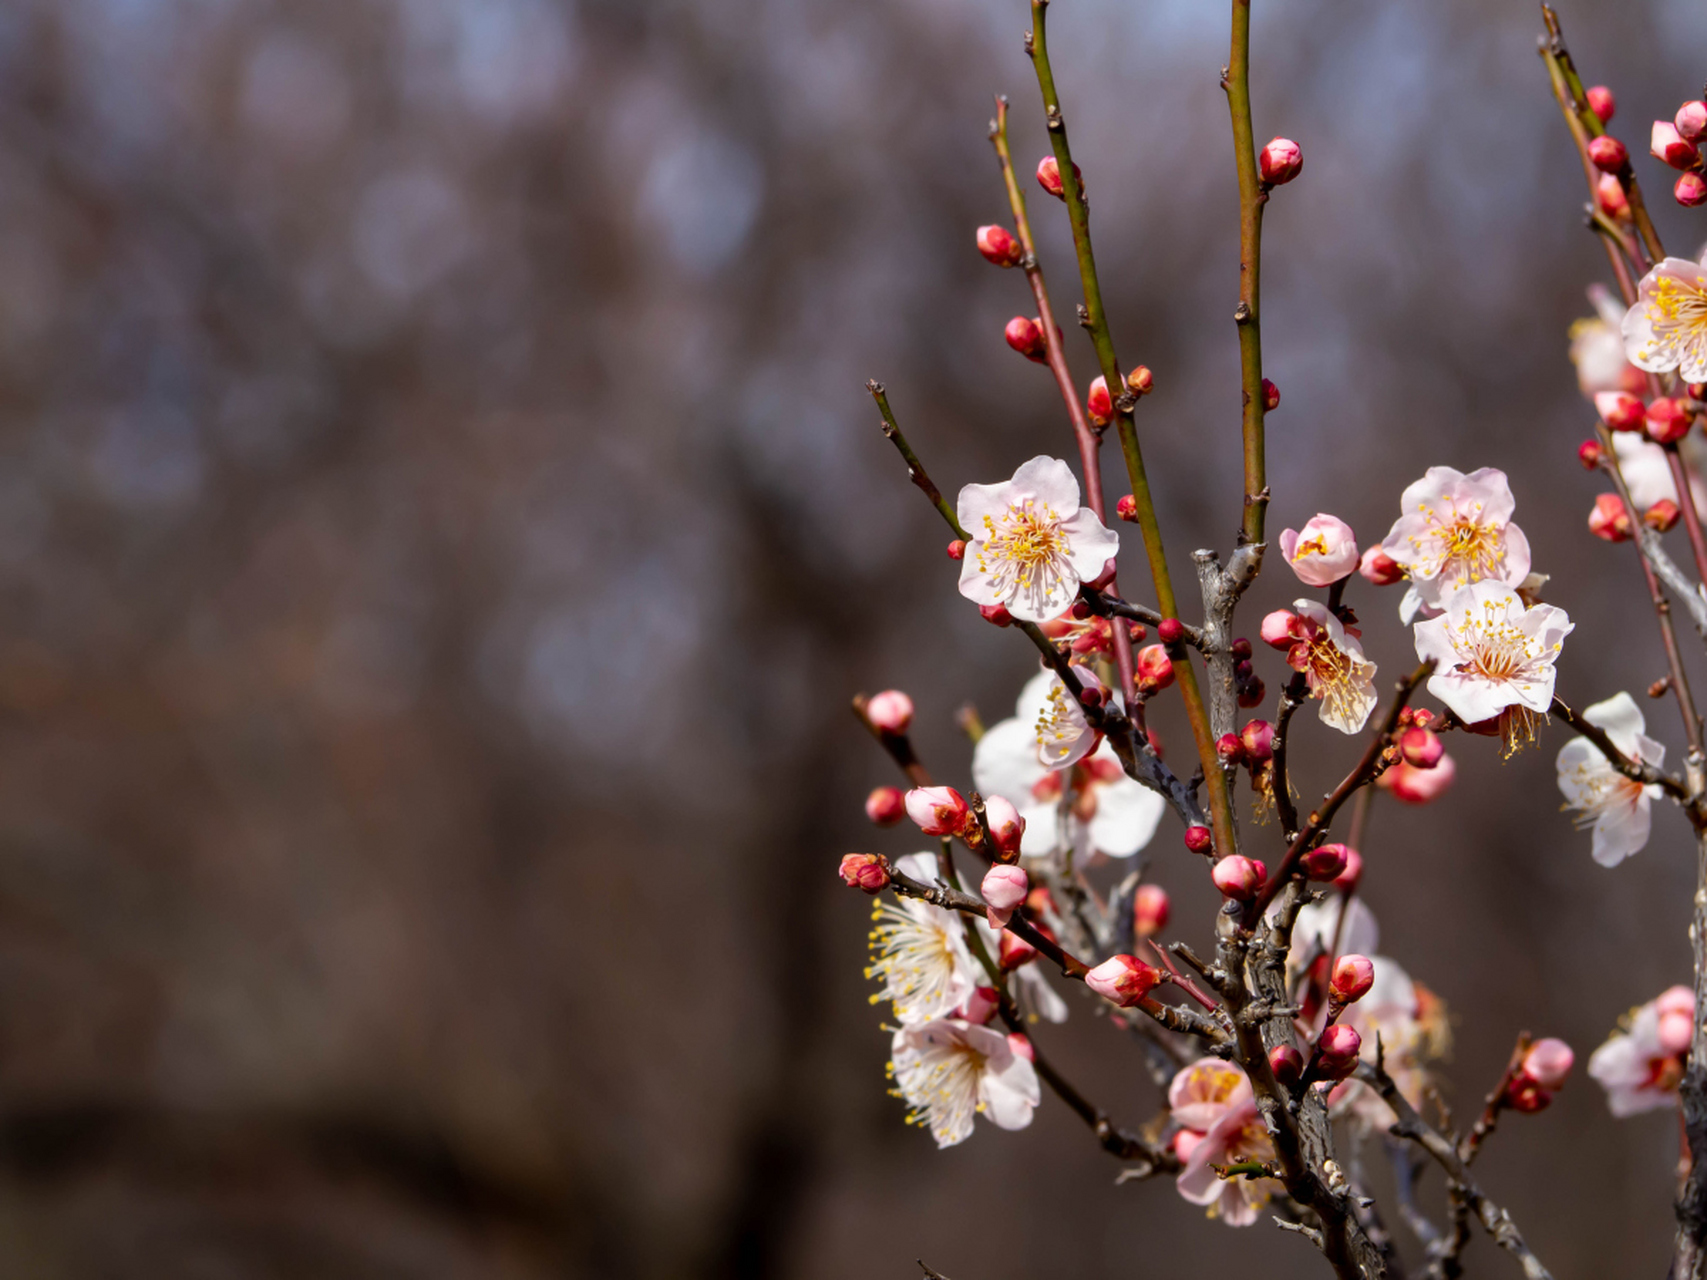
442, 525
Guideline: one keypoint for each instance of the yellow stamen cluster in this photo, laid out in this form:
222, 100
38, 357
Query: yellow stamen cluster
1026, 553
1678, 313
1335, 676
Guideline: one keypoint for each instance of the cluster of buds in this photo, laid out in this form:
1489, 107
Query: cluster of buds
1247, 684
867, 872
1675, 142
1538, 1076
1664, 420
1253, 747
1418, 768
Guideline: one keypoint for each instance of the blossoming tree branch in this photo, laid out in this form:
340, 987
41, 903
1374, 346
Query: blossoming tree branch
1294, 1045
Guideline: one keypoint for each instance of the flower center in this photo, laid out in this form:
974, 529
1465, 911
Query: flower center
1678, 312
1026, 553
1474, 547
1333, 675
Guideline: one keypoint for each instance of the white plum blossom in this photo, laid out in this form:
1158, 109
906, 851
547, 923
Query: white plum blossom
1492, 653
1597, 347
1641, 1065
948, 1071
1105, 809
919, 952
1214, 1106
1453, 530
1331, 658
1617, 807
1412, 1028
1667, 327
1322, 552
1030, 544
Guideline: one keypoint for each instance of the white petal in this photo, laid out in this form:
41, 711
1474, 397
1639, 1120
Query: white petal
1051, 481
1126, 818
1622, 830
1004, 763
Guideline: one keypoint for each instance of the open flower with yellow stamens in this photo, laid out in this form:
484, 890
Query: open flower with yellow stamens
1455, 529
948, 1071
919, 952
1667, 328
1331, 658
1220, 1125
1617, 807
1493, 657
1030, 542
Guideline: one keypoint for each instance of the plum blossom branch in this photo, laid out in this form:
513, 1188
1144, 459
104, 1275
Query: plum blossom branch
1293, 696
915, 469
1253, 195
898, 745
1635, 770
1410, 1125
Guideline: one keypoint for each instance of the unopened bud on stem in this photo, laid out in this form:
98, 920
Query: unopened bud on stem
891, 711
1280, 162
1123, 979
886, 806
867, 872
1353, 976
1239, 877
999, 246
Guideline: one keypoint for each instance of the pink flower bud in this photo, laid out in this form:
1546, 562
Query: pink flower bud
1015, 951
1668, 421
891, 711
885, 806
1609, 194
1676, 1008
1380, 568
1258, 737
957, 550
999, 246
1322, 552
996, 614
1348, 880
1199, 839
1336, 1052
1149, 910
1591, 455
1548, 1062
1610, 519
1286, 1063
983, 1002
1668, 145
1690, 189
1421, 747
1049, 177
1270, 396
1004, 888
1099, 408
1353, 976
1239, 877
1418, 786
1602, 103
1609, 154
1662, 515
867, 872
1620, 410
1325, 862
1230, 748
1123, 979
1691, 120
1140, 381
1026, 337
1005, 825
1277, 629
1021, 1045
1155, 668
1280, 161
1127, 508
939, 811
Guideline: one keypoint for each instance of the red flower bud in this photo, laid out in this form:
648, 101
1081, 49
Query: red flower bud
1669, 145
891, 711
1270, 396
867, 872
1149, 910
957, 550
1286, 1063
1127, 508
1590, 454
1689, 190
1691, 120
1609, 194
939, 811
1198, 839
1230, 748
1353, 976
1662, 515
1026, 337
886, 806
1155, 668
1325, 862
1280, 161
1421, 747
1239, 877
1099, 407
1123, 979
1668, 421
1049, 177
1336, 1052
999, 246
1601, 102
1170, 631
1609, 520
1525, 1096
1609, 154
1258, 739
997, 614
1015, 951
1620, 410
1140, 380
1252, 694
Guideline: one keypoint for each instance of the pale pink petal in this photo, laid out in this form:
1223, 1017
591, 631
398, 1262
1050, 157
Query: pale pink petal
1050, 481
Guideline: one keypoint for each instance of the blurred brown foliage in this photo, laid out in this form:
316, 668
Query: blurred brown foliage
441, 526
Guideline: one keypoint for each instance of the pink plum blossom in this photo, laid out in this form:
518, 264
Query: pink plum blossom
1212, 1100
1331, 658
1667, 328
1641, 1065
1548, 1063
1615, 806
939, 811
1322, 552
948, 1071
1454, 530
1491, 652
1123, 979
1032, 544
891, 711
